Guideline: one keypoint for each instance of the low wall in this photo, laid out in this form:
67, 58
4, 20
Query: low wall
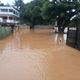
44, 26
4, 32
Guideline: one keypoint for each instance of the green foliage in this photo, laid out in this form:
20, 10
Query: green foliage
75, 21
64, 11
19, 4
1, 4
32, 12
46, 11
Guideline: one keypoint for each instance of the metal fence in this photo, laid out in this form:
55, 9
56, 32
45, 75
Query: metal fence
73, 37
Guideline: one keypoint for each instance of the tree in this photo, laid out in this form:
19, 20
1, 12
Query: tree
32, 12
46, 11
19, 5
62, 11
1, 4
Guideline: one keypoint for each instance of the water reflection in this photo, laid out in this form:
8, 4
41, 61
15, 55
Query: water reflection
60, 38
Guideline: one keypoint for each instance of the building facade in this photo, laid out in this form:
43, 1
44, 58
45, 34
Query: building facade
8, 15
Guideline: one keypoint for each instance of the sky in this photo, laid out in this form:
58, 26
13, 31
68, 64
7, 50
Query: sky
12, 1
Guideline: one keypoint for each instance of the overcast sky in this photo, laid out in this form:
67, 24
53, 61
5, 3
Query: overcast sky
12, 1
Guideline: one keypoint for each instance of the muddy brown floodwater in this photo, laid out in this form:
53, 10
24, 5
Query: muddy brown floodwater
38, 55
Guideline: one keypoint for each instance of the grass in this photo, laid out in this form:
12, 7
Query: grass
4, 32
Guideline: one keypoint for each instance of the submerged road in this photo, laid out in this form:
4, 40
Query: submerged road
38, 55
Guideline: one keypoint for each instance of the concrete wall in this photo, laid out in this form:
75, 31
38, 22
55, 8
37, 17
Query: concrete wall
44, 26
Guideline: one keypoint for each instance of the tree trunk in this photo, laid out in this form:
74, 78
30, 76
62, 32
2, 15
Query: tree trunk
61, 29
12, 28
31, 26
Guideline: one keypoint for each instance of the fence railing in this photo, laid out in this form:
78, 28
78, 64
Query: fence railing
73, 37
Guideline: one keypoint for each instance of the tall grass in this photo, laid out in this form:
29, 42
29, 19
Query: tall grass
4, 32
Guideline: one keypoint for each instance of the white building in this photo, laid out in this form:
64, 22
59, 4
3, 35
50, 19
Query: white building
8, 15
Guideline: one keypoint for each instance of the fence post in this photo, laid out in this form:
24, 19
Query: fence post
76, 39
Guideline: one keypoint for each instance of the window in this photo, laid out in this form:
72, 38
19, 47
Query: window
10, 10
5, 17
14, 12
4, 10
10, 18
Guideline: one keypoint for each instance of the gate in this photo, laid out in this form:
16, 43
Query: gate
71, 37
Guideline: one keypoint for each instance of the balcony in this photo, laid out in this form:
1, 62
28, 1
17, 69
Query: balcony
8, 11
8, 14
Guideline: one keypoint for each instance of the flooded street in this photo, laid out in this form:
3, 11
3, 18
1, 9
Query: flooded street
38, 55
